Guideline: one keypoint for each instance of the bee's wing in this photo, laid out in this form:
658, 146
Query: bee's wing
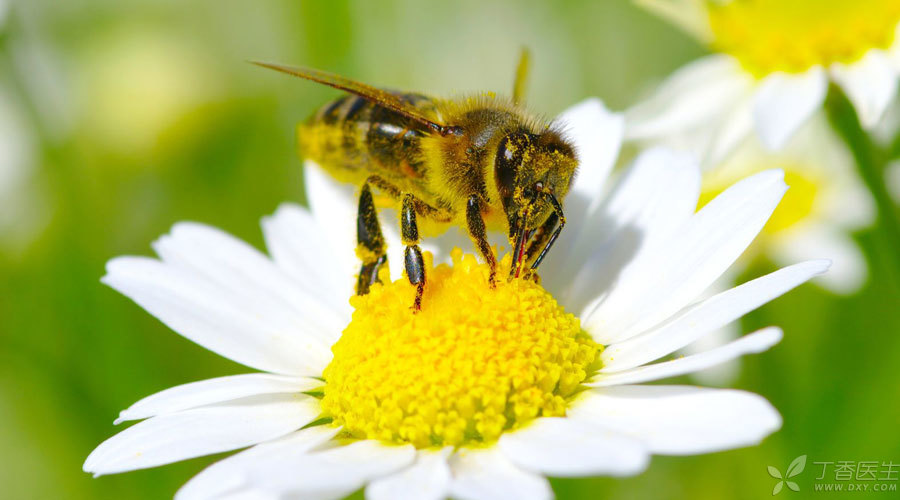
376, 95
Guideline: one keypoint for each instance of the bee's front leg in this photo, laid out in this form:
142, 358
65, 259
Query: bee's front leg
371, 247
546, 234
479, 234
543, 239
413, 261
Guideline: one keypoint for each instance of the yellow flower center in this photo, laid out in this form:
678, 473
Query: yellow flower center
474, 362
794, 35
796, 205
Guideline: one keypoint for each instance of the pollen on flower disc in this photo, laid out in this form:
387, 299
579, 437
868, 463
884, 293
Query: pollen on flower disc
474, 362
795, 35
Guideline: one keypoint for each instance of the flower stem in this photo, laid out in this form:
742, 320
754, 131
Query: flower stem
870, 163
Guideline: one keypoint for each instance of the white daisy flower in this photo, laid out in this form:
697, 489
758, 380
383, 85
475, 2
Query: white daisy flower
485, 391
770, 71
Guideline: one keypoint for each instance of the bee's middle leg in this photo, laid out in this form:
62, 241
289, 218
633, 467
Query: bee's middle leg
413, 261
478, 233
371, 247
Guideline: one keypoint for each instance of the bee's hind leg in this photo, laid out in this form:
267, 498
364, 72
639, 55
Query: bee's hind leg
413, 261
371, 247
367, 224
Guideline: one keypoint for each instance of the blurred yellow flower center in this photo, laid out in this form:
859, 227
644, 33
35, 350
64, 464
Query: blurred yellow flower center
473, 363
796, 205
794, 35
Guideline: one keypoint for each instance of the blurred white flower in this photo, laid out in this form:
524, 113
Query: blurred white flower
888, 128
825, 202
770, 71
136, 82
23, 211
403, 426
16, 146
4, 11
892, 179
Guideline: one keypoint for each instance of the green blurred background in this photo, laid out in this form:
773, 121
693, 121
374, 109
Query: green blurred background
120, 118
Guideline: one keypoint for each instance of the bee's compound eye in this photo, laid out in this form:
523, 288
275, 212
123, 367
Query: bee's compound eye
507, 154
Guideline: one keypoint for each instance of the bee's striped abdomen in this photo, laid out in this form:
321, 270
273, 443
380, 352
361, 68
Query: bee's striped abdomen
354, 138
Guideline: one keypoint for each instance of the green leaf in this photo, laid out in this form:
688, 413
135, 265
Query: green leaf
774, 472
792, 485
777, 489
796, 466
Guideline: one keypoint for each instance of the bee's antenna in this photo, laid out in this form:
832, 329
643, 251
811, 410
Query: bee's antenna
521, 82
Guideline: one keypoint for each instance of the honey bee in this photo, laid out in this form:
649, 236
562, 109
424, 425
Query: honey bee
478, 162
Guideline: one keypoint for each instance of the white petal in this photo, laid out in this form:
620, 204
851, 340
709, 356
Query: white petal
216, 390
708, 315
234, 266
597, 135
219, 320
567, 447
696, 95
333, 204
892, 179
784, 102
724, 374
331, 473
389, 219
427, 479
293, 239
870, 84
848, 271
680, 420
247, 495
654, 197
230, 475
846, 204
751, 343
202, 431
735, 128
676, 270
486, 474
894, 50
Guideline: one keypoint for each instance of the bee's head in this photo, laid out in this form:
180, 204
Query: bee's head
529, 169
